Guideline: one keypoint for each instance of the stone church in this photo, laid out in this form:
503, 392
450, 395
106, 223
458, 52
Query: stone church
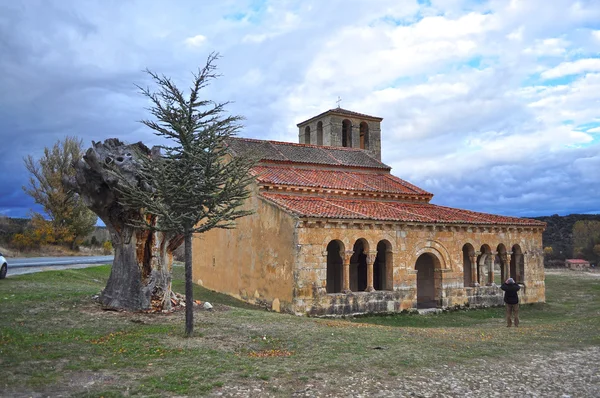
335, 233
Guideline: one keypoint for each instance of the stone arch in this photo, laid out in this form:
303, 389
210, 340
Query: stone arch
335, 266
517, 264
364, 135
502, 261
307, 135
320, 133
346, 133
485, 265
468, 252
428, 280
358, 266
383, 268
436, 248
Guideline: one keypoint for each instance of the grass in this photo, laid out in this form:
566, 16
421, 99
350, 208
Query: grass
55, 340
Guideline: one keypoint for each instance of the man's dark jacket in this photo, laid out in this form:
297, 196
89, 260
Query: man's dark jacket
510, 293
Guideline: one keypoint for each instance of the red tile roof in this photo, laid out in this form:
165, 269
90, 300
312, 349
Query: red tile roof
346, 180
287, 152
577, 261
341, 208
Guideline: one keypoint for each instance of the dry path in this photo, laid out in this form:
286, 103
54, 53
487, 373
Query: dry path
570, 374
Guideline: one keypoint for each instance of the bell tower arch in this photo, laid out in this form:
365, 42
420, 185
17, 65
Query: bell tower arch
343, 128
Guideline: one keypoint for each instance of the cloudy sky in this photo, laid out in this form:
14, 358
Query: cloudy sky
493, 106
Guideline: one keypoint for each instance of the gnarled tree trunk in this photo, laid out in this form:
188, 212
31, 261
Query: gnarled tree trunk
140, 277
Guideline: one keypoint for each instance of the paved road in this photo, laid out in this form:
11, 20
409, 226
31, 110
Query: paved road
21, 265
17, 262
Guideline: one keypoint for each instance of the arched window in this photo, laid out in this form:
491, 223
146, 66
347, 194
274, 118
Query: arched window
485, 263
364, 135
501, 264
358, 266
307, 135
347, 133
320, 133
383, 273
334, 266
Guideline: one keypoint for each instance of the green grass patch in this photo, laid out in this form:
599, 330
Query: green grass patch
54, 339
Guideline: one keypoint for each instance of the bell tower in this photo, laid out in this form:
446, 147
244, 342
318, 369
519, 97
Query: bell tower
343, 128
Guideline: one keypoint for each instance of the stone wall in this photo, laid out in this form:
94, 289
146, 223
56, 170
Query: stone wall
332, 132
253, 262
408, 242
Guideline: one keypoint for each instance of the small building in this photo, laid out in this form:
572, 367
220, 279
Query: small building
334, 233
577, 263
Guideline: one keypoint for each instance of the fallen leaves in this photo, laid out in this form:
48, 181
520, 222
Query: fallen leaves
270, 353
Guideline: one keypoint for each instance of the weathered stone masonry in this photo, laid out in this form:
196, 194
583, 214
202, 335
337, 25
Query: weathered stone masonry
335, 233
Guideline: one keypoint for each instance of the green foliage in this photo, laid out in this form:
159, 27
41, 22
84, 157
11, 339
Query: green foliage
586, 235
559, 234
52, 333
71, 220
193, 184
107, 247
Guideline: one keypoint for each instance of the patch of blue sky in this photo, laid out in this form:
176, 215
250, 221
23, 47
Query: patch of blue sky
538, 80
475, 62
403, 81
390, 20
236, 16
254, 12
587, 126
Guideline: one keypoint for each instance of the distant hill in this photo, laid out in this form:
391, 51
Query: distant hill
559, 232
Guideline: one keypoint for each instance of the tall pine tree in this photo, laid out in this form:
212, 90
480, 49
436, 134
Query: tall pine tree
194, 185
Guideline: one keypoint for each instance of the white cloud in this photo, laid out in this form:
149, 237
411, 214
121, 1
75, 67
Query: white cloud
552, 47
573, 68
195, 41
456, 81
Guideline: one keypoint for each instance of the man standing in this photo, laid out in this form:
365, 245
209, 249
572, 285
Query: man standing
511, 298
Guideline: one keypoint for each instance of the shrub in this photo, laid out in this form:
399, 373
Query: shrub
107, 247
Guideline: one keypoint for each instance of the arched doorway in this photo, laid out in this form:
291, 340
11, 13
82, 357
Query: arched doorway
347, 133
358, 266
468, 253
335, 266
383, 267
426, 291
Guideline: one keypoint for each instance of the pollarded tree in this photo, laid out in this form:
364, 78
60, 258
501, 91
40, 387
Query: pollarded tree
140, 277
69, 216
194, 185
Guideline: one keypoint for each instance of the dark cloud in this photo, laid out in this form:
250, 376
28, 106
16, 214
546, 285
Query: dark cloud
70, 68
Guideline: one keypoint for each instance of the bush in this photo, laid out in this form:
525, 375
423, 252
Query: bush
107, 247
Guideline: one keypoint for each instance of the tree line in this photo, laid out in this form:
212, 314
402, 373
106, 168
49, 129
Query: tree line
572, 236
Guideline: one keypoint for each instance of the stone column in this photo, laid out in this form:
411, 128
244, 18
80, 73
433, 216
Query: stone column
346, 272
474, 267
371, 256
506, 266
491, 268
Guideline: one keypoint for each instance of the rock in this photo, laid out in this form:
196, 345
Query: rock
207, 306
